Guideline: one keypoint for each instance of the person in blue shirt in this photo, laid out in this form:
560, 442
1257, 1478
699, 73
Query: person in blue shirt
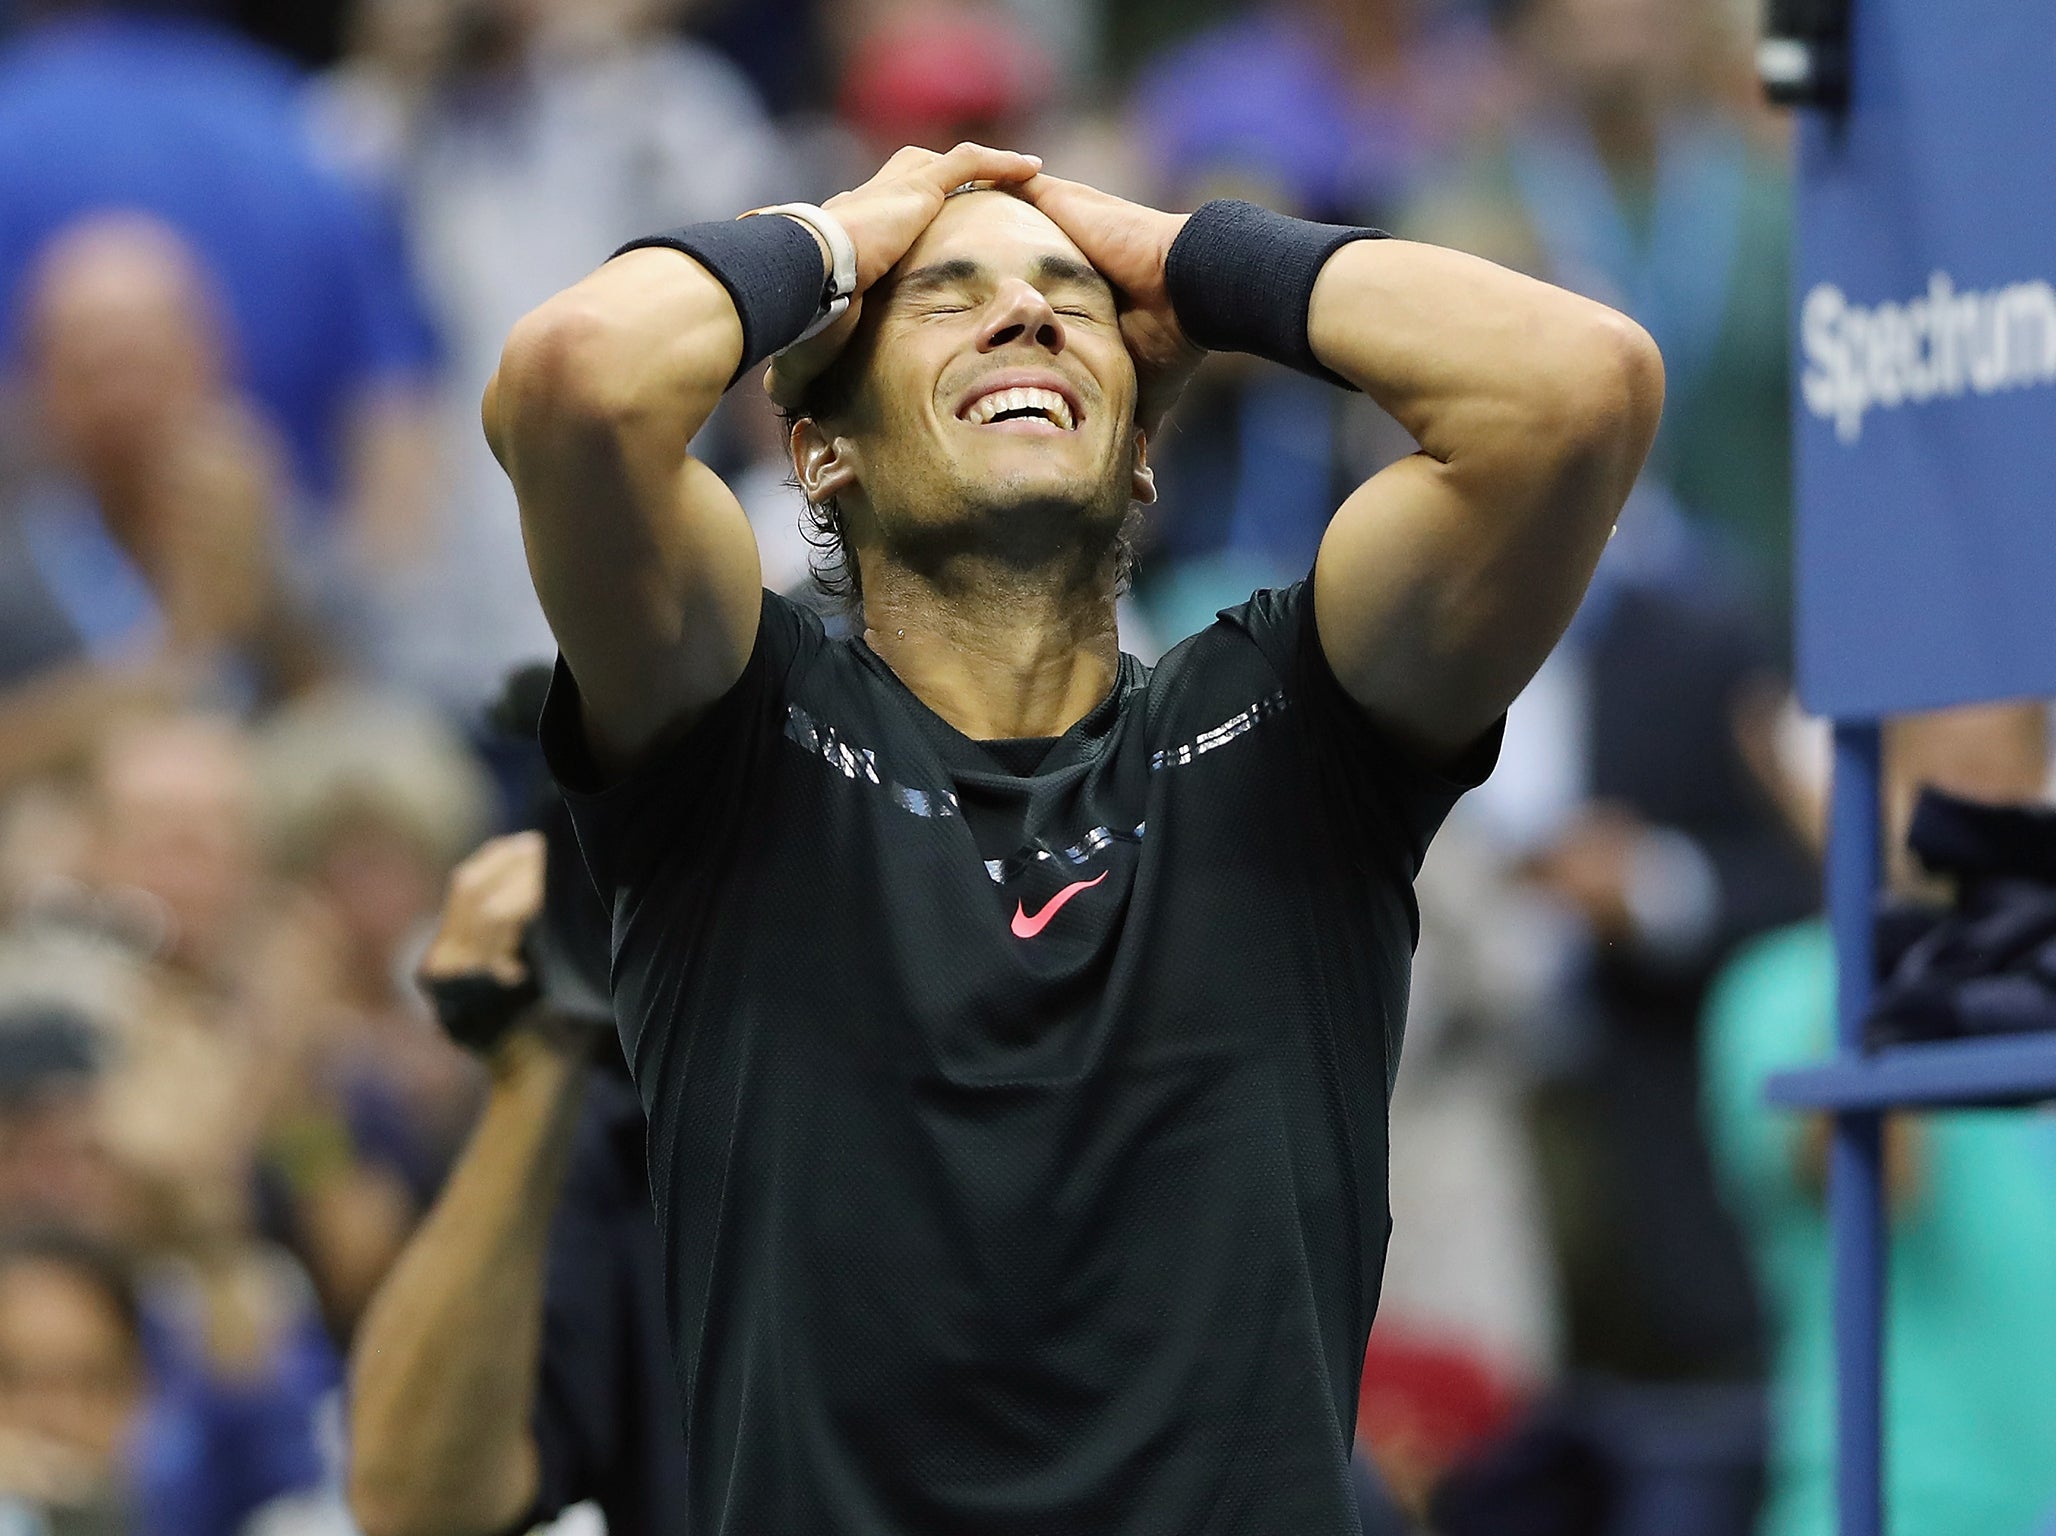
123, 104
142, 557
112, 1419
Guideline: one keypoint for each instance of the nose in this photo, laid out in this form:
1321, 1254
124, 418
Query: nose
1021, 312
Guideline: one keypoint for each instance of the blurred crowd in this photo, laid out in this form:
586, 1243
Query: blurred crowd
259, 578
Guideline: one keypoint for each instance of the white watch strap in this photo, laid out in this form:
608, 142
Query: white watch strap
842, 260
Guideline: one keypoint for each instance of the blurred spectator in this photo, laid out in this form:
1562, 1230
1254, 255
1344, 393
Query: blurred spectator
1467, 1327
234, 1367
72, 1387
368, 801
1332, 108
1970, 1425
1624, 796
781, 45
155, 1133
106, 1431
128, 104
366, 804
138, 557
525, 140
173, 856
936, 75
55, 1164
254, 1076
1629, 174
1328, 109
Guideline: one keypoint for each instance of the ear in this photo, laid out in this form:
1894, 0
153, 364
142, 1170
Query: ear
1142, 484
823, 464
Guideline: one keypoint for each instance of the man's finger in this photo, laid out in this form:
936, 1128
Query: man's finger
978, 162
909, 158
1042, 186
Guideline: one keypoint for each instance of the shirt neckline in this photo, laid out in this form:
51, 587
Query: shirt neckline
973, 755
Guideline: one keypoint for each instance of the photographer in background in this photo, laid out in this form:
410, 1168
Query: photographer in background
515, 1363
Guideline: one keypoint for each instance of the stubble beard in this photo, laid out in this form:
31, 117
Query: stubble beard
1015, 528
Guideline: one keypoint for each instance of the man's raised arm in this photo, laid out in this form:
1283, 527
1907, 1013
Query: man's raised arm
643, 559
1446, 578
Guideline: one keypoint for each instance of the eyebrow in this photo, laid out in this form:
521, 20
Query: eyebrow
1050, 271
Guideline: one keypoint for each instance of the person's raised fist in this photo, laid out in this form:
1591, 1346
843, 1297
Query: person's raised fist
493, 897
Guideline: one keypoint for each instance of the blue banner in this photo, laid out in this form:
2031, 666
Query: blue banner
1925, 388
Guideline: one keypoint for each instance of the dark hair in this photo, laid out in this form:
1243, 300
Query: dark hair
833, 566
44, 1044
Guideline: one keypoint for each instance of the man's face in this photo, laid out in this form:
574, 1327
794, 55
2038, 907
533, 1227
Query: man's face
993, 407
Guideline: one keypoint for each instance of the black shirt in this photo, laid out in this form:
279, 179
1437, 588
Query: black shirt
1018, 1142
607, 1422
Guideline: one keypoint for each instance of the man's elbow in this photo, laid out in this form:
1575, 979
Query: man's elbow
1609, 412
560, 367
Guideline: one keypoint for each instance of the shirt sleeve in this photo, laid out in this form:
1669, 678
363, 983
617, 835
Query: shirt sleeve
670, 806
1378, 790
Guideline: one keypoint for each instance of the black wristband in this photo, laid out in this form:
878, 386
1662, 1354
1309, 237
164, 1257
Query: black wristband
771, 267
477, 1009
1241, 279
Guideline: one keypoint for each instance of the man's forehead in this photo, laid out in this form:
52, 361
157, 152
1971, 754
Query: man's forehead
994, 229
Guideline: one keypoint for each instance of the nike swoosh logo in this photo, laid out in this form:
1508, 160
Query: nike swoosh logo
1026, 927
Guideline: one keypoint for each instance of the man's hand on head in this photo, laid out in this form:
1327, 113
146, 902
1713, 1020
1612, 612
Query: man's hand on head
1128, 243
884, 217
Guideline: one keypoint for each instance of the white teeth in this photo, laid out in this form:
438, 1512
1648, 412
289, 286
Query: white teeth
1000, 401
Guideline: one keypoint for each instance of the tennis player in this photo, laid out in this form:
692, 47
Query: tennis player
1016, 1022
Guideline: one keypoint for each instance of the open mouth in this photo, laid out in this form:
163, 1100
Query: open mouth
1026, 403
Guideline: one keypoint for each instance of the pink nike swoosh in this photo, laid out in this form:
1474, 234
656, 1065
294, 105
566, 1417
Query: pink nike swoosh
1026, 927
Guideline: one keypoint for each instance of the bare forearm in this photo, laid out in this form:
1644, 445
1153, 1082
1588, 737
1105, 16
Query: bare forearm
445, 1366
1483, 364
